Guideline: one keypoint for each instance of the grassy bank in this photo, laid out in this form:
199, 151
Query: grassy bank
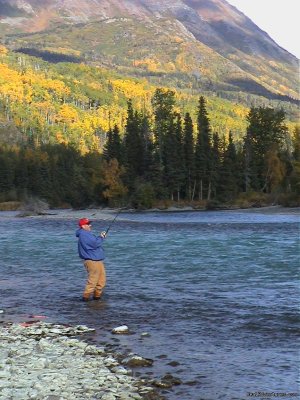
10, 205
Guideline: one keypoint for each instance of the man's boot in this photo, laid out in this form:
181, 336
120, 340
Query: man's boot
97, 295
85, 297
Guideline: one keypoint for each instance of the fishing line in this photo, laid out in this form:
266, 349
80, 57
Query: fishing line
112, 222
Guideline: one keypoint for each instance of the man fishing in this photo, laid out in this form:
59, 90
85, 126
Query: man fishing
90, 250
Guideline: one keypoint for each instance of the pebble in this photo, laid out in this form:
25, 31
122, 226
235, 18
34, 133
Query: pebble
145, 334
108, 396
48, 364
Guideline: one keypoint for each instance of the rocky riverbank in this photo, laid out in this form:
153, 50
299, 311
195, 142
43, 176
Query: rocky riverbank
49, 362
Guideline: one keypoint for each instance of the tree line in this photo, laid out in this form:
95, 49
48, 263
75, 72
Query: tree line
162, 156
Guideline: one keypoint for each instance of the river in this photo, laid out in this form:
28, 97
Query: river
217, 292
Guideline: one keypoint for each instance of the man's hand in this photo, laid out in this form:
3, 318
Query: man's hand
103, 234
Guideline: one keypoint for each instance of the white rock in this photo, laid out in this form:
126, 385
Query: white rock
93, 350
121, 329
110, 362
120, 370
56, 331
4, 374
35, 332
40, 363
84, 328
38, 386
108, 396
44, 344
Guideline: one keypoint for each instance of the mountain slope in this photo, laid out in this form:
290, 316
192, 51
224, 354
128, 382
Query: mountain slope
77, 104
209, 43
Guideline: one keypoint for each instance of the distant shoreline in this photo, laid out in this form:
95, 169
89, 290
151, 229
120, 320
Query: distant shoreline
108, 213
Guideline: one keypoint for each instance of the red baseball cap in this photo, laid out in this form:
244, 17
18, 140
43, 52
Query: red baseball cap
84, 221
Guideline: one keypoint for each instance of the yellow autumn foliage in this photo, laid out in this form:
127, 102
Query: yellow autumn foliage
3, 50
77, 104
67, 114
64, 50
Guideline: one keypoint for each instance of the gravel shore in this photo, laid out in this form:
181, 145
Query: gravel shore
43, 361
108, 214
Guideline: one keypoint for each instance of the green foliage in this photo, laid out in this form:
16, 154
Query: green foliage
159, 167
203, 151
188, 154
76, 104
229, 176
114, 189
113, 147
173, 157
134, 145
143, 196
163, 103
264, 139
294, 178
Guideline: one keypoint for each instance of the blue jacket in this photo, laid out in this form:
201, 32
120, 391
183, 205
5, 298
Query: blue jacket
89, 246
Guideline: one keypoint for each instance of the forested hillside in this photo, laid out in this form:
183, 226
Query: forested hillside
76, 104
74, 134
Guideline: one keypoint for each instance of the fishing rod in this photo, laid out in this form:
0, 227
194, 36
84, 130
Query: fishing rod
112, 222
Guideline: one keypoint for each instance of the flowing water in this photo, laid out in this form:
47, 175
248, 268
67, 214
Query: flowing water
218, 292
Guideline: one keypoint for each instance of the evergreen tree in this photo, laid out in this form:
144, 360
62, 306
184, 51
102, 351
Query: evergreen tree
163, 103
295, 173
203, 151
179, 155
229, 177
189, 157
215, 164
266, 130
43, 185
173, 158
108, 146
21, 174
113, 147
6, 174
118, 151
155, 174
147, 143
93, 165
134, 146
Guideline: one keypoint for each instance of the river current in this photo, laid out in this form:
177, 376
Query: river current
217, 292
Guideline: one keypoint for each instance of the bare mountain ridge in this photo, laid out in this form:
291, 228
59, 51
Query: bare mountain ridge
213, 23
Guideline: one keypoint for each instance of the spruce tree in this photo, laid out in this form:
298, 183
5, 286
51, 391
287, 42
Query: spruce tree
295, 172
173, 158
113, 147
163, 103
189, 156
147, 144
133, 146
266, 130
108, 146
215, 164
229, 179
203, 151
6, 174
